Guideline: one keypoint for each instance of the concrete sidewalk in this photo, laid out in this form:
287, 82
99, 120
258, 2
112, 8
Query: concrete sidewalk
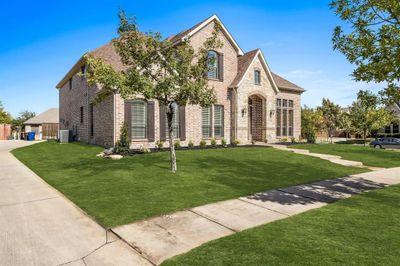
160, 238
39, 226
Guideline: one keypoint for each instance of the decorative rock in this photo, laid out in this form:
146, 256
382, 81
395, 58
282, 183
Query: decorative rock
101, 154
109, 151
115, 156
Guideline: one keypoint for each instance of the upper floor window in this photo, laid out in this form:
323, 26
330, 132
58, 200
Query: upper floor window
257, 77
213, 64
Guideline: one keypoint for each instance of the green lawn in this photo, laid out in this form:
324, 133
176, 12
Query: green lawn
362, 230
366, 155
138, 187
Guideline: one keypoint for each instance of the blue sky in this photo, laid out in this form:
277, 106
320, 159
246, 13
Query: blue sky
41, 40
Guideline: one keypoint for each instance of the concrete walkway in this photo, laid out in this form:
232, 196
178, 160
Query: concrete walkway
160, 238
332, 158
39, 226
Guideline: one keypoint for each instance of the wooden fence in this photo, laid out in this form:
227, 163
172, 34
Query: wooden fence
49, 131
5, 131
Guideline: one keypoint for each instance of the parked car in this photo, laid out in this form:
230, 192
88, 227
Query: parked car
385, 143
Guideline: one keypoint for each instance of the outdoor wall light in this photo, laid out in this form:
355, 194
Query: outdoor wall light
244, 111
272, 113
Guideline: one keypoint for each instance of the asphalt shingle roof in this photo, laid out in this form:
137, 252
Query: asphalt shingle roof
50, 116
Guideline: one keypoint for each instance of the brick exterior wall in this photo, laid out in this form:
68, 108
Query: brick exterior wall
81, 95
109, 115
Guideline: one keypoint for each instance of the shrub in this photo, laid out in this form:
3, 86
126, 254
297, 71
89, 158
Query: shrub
293, 139
203, 143
311, 138
177, 144
213, 142
223, 143
160, 144
191, 144
236, 142
144, 149
122, 145
283, 139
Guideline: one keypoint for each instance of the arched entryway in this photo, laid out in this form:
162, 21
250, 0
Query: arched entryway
257, 126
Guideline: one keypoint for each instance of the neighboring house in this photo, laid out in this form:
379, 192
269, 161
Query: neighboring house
45, 125
253, 104
394, 127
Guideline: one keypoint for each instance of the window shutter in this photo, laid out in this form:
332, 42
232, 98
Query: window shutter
221, 67
163, 120
150, 121
182, 123
127, 117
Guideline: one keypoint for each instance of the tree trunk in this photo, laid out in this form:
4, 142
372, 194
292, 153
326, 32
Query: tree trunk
365, 137
170, 116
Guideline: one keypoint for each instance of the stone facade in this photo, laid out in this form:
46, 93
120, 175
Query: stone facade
109, 115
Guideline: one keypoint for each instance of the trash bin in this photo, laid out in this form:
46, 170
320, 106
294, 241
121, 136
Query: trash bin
30, 136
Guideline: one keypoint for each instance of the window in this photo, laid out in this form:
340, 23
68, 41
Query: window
91, 120
206, 122
218, 121
83, 70
70, 83
278, 122
284, 118
81, 114
284, 122
257, 77
139, 119
175, 122
212, 65
290, 126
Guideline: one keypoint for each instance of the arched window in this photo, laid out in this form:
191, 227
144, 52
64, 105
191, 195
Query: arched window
139, 119
213, 65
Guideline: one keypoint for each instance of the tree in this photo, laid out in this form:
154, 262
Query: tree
311, 121
156, 69
17, 124
373, 44
345, 123
5, 117
367, 114
330, 114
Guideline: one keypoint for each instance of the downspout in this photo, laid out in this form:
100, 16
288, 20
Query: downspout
115, 119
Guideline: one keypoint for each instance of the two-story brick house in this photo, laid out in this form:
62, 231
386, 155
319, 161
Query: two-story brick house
253, 104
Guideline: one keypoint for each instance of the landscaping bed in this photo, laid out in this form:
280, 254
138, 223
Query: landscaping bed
138, 187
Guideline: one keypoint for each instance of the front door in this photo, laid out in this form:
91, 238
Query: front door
256, 118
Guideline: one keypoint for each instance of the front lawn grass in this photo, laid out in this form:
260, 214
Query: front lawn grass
138, 187
366, 155
361, 230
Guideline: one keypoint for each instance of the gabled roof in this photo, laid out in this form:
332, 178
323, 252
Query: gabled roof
244, 64
196, 28
50, 116
106, 52
285, 84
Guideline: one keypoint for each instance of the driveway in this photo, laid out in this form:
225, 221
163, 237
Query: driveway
39, 226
